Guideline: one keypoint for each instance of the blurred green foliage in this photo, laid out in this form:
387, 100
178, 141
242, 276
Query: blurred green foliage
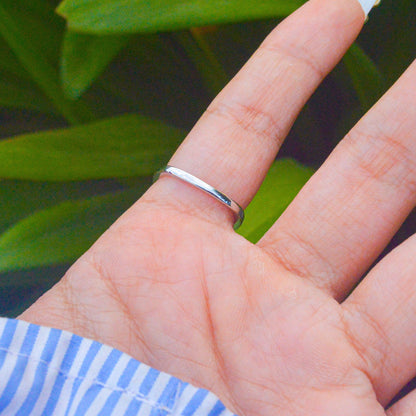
96, 94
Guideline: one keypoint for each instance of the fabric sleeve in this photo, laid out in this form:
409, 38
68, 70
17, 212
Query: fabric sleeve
45, 371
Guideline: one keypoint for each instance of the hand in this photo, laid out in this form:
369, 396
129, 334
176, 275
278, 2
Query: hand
269, 328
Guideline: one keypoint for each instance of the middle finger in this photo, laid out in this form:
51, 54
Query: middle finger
351, 208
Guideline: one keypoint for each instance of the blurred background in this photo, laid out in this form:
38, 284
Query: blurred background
95, 96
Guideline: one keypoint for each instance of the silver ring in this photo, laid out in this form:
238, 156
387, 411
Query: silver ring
193, 180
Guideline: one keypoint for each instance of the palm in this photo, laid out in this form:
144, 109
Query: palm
270, 328
204, 304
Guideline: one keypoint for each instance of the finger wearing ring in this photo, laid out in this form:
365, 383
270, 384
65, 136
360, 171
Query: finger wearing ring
200, 184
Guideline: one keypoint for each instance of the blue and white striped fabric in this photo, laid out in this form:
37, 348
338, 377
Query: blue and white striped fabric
46, 371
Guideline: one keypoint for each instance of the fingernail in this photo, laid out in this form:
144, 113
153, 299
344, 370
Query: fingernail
367, 5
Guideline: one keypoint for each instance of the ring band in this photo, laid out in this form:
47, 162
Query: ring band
193, 180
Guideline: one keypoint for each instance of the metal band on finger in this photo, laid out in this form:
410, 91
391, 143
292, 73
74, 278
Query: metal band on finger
193, 180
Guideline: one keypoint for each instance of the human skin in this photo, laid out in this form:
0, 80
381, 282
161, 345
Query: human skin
271, 328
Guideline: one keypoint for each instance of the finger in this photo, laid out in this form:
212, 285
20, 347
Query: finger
237, 139
404, 407
381, 320
354, 204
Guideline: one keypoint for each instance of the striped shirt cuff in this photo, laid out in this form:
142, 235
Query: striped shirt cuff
46, 371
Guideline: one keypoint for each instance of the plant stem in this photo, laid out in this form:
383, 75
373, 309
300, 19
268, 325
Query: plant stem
200, 53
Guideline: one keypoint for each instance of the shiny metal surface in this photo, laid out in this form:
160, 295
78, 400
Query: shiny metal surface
193, 180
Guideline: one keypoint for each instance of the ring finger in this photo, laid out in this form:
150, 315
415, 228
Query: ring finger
237, 139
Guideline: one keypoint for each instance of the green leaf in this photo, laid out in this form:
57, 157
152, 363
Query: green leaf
234, 44
283, 182
62, 233
17, 90
129, 145
19, 93
38, 20
29, 43
394, 25
84, 58
200, 53
152, 77
9, 63
121, 16
18, 199
367, 79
